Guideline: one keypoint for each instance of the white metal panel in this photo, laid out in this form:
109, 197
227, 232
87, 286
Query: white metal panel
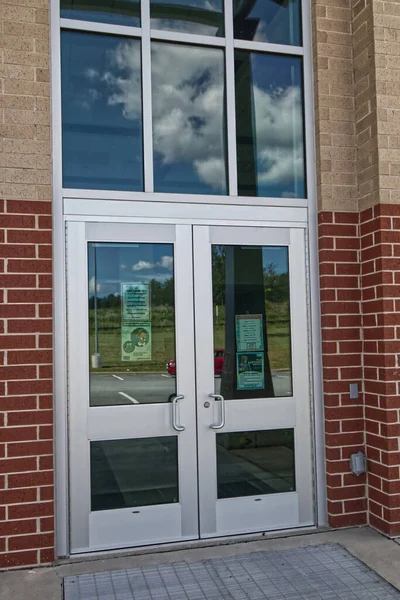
144, 524
98, 27
192, 213
254, 236
258, 513
133, 233
301, 375
78, 367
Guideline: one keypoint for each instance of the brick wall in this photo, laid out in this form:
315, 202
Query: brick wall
334, 100
26, 436
339, 249
380, 240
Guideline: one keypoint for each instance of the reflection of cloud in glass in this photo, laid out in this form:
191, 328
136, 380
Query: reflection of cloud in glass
165, 262
188, 101
279, 119
188, 112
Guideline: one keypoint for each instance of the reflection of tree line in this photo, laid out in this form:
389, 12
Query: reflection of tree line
162, 306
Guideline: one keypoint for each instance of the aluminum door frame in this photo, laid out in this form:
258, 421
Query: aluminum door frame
93, 423
240, 515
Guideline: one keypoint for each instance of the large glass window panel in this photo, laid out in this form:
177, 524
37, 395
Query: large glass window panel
133, 472
273, 21
188, 16
253, 463
131, 323
251, 307
101, 112
269, 125
117, 12
189, 119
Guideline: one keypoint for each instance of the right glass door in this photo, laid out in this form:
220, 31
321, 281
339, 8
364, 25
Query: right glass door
253, 392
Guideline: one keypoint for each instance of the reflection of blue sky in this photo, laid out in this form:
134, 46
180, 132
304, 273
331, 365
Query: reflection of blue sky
279, 23
277, 94
102, 147
277, 256
128, 14
128, 263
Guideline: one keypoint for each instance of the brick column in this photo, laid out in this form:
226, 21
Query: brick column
342, 364
26, 436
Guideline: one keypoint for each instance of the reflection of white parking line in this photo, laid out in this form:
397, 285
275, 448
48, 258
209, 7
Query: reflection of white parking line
116, 377
129, 397
168, 376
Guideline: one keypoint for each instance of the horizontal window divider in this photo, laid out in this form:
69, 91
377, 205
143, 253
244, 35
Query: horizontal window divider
245, 201
107, 28
186, 38
271, 48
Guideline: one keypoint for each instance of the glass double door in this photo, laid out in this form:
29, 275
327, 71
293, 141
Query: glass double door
189, 400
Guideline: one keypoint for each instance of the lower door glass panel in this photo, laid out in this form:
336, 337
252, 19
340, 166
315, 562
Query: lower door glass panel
133, 472
251, 463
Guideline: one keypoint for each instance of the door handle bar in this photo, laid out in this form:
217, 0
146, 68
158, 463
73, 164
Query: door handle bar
221, 424
175, 424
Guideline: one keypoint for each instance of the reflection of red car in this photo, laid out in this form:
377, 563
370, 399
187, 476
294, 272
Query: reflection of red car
218, 363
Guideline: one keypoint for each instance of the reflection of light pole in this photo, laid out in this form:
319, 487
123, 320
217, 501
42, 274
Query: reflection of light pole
97, 361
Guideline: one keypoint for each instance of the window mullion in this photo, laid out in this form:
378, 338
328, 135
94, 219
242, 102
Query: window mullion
147, 98
230, 99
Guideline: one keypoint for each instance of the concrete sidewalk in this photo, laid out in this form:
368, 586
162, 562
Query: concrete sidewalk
377, 552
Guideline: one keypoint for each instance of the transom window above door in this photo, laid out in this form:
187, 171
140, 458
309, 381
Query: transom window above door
184, 97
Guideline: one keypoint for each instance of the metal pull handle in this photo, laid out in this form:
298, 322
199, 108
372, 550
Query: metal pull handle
175, 413
221, 424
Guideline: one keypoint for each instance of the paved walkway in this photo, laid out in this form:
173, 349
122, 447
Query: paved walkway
327, 572
373, 550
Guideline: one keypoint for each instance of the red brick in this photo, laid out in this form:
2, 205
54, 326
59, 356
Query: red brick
29, 266
23, 311
17, 222
47, 555
35, 357
18, 434
17, 341
18, 527
34, 479
26, 511
17, 281
30, 326
28, 207
33, 296
46, 524
18, 496
24, 542
17, 373
29, 237
348, 520
17, 465
29, 387
38, 417
29, 448
18, 559
17, 251
18, 403
46, 493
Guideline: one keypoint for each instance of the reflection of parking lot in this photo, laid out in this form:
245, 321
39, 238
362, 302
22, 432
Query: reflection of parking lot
149, 388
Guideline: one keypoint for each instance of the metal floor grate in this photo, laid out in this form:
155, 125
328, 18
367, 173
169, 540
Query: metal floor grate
325, 572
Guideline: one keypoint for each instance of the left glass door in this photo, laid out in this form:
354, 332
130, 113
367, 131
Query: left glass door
133, 469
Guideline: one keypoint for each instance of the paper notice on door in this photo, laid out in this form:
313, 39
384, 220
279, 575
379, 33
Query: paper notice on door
135, 301
249, 333
135, 341
250, 370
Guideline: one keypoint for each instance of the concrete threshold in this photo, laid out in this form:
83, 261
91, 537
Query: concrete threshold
376, 551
